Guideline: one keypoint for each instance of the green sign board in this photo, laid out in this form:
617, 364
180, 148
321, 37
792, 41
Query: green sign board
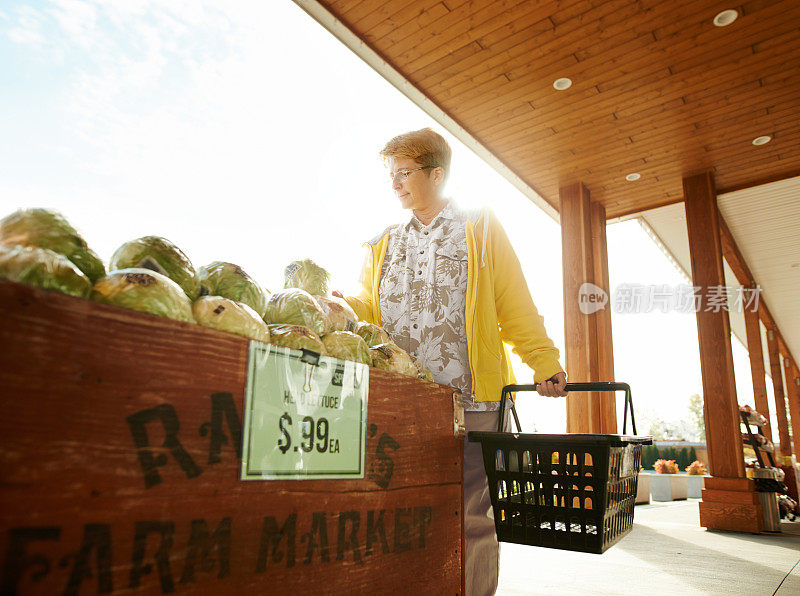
305, 416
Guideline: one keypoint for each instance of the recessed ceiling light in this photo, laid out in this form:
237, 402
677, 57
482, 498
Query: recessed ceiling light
762, 140
725, 18
633, 177
562, 84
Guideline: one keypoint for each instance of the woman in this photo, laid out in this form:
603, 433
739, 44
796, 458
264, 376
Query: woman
448, 289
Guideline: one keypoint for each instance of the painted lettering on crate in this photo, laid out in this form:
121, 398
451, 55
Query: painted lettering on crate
222, 406
20, 561
328, 538
166, 415
97, 540
223, 414
382, 466
359, 534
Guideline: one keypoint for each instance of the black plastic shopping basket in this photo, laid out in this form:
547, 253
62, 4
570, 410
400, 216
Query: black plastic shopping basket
572, 491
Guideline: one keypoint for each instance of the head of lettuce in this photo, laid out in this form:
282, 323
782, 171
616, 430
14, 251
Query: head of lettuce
43, 268
231, 281
308, 276
47, 229
160, 255
231, 316
146, 291
296, 307
347, 346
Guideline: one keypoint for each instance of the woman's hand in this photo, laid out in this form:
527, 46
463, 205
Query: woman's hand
337, 293
554, 386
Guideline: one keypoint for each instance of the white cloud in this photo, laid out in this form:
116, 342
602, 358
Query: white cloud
27, 29
77, 19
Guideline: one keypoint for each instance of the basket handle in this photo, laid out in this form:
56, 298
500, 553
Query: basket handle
596, 386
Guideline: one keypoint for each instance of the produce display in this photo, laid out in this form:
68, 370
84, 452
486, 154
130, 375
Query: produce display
47, 229
228, 315
150, 274
296, 307
339, 314
762, 442
297, 337
146, 291
43, 268
308, 276
372, 334
159, 255
389, 357
231, 281
346, 345
752, 416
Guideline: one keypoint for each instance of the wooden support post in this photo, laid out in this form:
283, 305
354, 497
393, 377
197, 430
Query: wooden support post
587, 325
580, 336
602, 321
756, 352
793, 389
729, 501
776, 370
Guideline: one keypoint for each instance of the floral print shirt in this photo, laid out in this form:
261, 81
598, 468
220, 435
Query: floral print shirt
423, 298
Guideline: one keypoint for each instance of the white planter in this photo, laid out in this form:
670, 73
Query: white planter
643, 489
678, 486
694, 485
668, 487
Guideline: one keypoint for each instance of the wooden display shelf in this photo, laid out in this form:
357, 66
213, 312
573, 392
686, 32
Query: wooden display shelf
119, 469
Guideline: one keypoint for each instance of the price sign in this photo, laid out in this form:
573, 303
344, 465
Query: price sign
305, 416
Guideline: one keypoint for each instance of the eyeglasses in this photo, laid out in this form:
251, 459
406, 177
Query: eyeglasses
402, 175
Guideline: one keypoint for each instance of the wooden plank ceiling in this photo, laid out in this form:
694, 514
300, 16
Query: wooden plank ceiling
657, 88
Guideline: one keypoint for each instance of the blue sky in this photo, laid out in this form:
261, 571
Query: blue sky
243, 131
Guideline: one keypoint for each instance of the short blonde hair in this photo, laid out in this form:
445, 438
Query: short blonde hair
425, 146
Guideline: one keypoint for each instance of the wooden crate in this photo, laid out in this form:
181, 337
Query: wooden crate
119, 469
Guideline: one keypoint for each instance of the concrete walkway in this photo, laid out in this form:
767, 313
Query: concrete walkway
667, 552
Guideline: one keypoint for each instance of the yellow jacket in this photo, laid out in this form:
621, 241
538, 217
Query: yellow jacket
499, 307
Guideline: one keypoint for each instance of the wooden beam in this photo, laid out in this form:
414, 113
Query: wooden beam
602, 320
713, 329
587, 327
638, 211
793, 389
580, 336
761, 181
726, 464
756, 353
733, 256
776, 371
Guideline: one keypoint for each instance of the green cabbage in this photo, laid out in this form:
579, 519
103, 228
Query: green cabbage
372, 334
159, 255
229, 315
297, 337
48, 229
389, 357
422, 372
43, 268
296, 307
231, 281
338, 313
308, 276
347, 346
146, 291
